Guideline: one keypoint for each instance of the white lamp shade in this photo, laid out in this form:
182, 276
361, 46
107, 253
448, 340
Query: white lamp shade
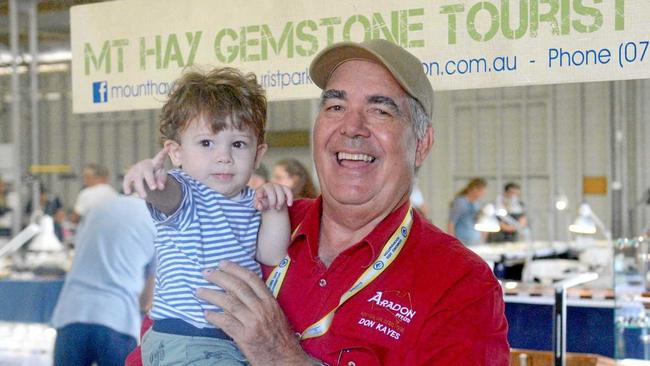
46, 240
584, 223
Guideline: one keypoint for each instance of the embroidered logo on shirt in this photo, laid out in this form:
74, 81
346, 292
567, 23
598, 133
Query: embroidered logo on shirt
402, 312
388, 314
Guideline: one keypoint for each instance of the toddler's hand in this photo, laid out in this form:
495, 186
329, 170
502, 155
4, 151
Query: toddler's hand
272, 196
152, 171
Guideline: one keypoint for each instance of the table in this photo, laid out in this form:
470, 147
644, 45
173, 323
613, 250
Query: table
590, 325
519, 251
29, 301
26, 344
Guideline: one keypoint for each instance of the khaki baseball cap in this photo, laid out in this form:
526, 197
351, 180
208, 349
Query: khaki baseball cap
405, 68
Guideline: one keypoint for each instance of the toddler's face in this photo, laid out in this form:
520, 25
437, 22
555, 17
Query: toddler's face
223, 161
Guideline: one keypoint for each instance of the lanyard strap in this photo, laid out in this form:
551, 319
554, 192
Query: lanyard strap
389, 252
274, 282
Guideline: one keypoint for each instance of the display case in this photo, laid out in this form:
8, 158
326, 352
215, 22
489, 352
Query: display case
632, 298
26, 344
30, 283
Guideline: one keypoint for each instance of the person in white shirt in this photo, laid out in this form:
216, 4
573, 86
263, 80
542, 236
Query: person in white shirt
96, 191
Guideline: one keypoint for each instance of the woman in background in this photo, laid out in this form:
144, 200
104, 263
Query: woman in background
291, 173
463, 212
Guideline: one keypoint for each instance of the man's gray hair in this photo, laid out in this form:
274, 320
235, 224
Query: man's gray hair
419, 119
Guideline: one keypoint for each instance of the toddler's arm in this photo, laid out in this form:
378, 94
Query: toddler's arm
149, 179
275, 229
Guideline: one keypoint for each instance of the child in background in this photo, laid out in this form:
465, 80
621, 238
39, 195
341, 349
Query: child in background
213, 130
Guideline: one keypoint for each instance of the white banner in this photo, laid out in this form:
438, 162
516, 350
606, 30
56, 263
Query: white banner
126, 54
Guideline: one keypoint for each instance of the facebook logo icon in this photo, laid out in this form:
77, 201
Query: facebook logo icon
100, 92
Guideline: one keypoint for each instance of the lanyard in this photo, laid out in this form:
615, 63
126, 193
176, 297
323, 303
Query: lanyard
389, 252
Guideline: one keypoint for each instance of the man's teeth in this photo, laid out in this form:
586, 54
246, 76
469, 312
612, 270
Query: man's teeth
355, 157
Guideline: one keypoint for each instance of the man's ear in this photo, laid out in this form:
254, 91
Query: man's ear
174, 152
261, 150
423, 147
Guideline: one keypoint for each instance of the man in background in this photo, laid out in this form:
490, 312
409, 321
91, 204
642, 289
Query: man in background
98, 316
511, 202
96, 190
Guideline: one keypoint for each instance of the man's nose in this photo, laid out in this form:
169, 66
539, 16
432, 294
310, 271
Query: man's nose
355, 125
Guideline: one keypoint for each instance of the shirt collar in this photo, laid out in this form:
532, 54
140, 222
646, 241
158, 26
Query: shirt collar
378, 237
309, 229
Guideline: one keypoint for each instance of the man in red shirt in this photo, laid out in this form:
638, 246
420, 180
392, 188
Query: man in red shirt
367, 280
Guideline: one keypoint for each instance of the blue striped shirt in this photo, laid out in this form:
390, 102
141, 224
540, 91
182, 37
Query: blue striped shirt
206, 228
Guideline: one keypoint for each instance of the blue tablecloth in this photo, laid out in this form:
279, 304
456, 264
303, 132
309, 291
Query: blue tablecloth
29, 301
589, 329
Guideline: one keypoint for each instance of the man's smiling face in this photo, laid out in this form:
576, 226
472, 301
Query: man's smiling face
364, 145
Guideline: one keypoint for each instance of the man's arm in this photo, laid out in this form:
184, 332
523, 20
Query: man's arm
146, 296
80, 207
74, 217
252, 317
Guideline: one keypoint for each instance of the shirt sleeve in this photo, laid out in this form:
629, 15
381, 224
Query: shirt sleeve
81, 204
183, 215
470, 330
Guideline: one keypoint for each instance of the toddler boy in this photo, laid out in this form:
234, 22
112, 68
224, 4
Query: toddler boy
213, 131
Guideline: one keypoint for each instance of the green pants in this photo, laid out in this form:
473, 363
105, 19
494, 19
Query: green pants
163, 349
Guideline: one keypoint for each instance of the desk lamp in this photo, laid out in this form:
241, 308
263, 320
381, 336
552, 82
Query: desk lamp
46, 240
587, 222
19, 240
487, 221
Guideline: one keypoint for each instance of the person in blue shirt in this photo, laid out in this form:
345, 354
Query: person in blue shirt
463, 211
97, 316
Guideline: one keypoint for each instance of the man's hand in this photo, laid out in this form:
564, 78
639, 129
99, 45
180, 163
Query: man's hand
252, 317
272, 196
150, 171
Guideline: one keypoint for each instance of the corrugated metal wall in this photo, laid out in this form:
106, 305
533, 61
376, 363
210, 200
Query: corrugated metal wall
544, 137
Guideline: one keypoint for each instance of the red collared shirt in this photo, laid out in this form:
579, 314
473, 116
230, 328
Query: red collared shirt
436, 304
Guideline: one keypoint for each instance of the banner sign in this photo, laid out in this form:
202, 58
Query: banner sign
126, 54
